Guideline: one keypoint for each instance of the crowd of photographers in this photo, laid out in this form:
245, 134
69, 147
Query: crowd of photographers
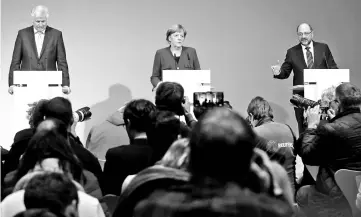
214, 163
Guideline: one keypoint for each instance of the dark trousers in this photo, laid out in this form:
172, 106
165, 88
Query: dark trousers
300, 120
314, 203
307, 178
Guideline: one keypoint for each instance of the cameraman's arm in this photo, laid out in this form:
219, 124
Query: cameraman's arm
190, 120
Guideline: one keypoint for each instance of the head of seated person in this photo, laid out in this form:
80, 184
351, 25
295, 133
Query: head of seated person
163, 131
53, 124
58, 107
53, 191
222, 148
34, 111
348, 97
136, 117
259, 111
49, 151
170, 97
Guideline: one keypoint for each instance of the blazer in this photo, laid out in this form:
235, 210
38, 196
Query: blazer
164, 60
295, 62
52, 56
123, 161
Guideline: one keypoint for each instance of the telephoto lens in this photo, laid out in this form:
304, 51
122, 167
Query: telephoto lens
302, 102
82, 114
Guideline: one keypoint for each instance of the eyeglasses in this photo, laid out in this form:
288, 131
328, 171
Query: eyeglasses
304, 33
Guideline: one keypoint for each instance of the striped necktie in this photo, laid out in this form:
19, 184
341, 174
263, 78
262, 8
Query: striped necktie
309, 58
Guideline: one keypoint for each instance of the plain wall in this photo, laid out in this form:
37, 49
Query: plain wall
111, 45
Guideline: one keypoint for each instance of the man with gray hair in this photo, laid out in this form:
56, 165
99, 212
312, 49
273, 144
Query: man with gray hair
39, 48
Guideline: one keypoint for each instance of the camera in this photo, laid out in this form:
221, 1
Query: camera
208, 99
301, 102
82, 114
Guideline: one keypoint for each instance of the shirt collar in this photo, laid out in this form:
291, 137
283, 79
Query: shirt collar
35, 31
310, 45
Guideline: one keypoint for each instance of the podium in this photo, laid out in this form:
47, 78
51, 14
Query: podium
191, 80
30, 87
316, 81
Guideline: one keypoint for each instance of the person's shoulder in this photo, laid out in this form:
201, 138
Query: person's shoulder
162, 50
189, 49
53, 30
315, 43
13, 198
115, 152
295, 47
25, 31
86, 199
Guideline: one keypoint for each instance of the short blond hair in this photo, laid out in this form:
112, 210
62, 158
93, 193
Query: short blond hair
175, 28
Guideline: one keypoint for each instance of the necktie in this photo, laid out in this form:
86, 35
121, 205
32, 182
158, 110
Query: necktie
39, 41
309, 58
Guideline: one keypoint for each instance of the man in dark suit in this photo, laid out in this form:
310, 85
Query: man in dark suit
39, 48
308, 54
130, 159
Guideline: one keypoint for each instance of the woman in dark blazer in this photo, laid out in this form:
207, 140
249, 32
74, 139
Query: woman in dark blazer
176, 56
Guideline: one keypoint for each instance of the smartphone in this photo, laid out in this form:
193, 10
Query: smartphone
208, 99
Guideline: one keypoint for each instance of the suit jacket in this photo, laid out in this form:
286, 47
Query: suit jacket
52, 56
295, 61
123, 161
164, 60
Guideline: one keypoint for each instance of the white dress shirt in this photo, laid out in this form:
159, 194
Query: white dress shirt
39, 40
305, 51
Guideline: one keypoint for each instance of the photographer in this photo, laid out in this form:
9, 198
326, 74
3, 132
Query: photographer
280, 137
332, 146
61, 109
170, 97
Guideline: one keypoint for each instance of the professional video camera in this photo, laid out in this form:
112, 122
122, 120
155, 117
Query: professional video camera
82, 114
208, 99
301, 102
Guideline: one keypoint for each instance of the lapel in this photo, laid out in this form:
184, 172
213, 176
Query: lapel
317, 54
46, 40
32, 41
299, 53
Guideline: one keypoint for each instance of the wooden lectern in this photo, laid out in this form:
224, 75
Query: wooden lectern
315, 82
30, 87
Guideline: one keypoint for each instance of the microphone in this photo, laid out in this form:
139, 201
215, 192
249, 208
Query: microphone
188, 57
324, 55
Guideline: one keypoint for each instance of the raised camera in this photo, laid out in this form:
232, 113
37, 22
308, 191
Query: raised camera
82, 114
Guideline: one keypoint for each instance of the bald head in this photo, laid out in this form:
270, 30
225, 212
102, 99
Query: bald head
46, 125
52, 124
304, 26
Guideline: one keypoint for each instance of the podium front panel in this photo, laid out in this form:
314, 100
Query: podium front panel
318, 80
191, 80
